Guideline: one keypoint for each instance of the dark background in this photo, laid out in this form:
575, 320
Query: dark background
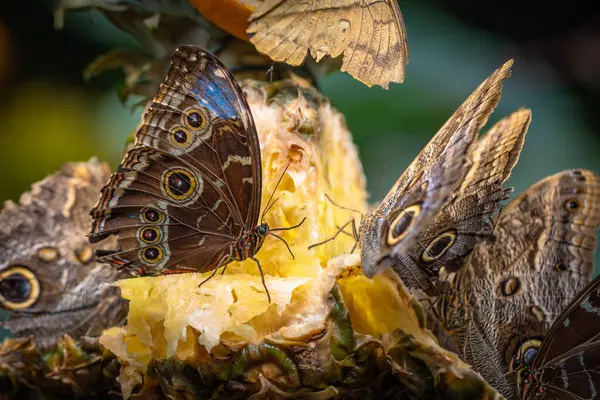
49, 115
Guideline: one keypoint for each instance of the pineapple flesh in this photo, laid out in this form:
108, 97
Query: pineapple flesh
328, 332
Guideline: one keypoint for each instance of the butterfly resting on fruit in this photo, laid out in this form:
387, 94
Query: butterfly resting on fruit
186, 197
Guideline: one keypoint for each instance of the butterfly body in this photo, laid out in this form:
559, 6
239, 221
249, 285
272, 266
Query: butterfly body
249, 244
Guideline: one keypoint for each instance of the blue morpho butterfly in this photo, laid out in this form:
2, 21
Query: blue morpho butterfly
187, 196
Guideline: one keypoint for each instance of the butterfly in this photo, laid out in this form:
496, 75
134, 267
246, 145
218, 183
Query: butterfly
370, 34
566, 365
452, 171
49, 282
187, 196
516, 284
465, 220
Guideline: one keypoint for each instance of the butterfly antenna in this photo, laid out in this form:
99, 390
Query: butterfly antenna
273, 192
268, 208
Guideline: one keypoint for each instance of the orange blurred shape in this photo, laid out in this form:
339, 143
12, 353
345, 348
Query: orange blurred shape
229, 15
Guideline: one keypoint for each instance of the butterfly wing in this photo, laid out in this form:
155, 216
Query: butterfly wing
49, 281
191, 184
392, 228
519, 282
370, 34
568, 362
465, 220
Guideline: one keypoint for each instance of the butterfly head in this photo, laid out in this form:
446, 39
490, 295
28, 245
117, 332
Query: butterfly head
258, 235
382, 236
522, 360
262, 231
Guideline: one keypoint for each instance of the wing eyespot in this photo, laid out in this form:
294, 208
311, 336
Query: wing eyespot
401, 225
561, 267
85, 255
48, 254
538, 313
19, 288
180, 137
439, 246
572, 204
152, 255
152, 216
194, 119
508, 287
179, 184
150, 235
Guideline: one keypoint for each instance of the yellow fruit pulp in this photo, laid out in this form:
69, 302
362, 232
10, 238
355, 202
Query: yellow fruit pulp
168, 315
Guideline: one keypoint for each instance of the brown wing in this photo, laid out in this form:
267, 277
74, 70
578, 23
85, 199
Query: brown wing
390, 231
49, 282
465, 221
518, 283
568, 362
191, 184
370, 34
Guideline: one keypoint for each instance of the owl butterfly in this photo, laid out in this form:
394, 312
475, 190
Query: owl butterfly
186, 197
438, 209
49, 281
370, 34
567, 364
514, 286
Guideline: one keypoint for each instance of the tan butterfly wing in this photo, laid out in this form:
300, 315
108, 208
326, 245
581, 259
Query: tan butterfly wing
514, 287
393, 228
465, 220
50, 283
370, 34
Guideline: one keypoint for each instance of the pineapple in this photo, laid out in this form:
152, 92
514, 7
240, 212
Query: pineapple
328, 332
70, 369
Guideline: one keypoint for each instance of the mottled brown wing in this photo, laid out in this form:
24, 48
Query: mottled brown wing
567, 365
370, 34
518, 283
465, 220
191, 184
49, 282
389, 231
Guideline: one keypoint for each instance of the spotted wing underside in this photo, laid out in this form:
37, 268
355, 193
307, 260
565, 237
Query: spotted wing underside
191, 184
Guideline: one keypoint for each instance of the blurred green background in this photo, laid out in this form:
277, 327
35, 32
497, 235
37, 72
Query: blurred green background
49, 115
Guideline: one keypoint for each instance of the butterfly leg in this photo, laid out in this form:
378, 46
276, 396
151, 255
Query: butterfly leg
262, 277
340, 230
223, 262
355, 233
286, 229
342, 207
